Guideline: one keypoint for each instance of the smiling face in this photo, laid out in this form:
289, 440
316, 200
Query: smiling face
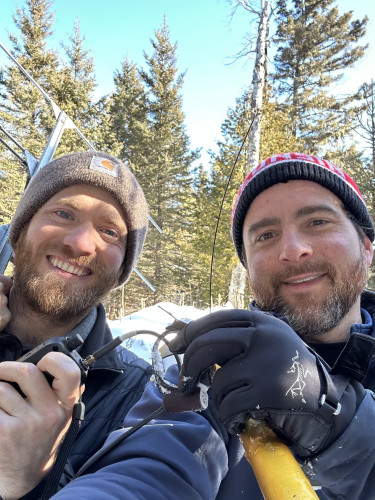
304, 257
71, 253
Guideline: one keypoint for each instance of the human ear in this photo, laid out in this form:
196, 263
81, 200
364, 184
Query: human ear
369, 249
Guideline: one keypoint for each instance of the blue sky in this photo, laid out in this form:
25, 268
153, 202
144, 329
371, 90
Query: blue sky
207, 41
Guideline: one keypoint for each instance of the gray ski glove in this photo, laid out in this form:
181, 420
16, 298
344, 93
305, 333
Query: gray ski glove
267, 373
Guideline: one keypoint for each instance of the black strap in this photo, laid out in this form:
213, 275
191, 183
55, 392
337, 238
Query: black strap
63, 453
333, 388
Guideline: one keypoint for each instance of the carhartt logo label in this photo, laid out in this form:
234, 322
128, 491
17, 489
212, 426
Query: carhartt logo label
104, 165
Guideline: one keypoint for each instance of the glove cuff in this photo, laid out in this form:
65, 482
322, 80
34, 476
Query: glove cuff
332, 391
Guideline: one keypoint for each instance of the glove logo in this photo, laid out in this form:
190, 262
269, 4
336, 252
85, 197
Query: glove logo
296, 389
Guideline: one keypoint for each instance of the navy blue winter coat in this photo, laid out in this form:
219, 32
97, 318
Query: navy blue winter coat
114, 384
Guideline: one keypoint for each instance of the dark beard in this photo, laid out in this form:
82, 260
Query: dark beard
51, 296
316, 316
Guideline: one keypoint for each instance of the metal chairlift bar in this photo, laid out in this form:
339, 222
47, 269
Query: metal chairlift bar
13, 152
62, 122
12, 138
5, 248
30, 161
144, 279
22, 69
154, 224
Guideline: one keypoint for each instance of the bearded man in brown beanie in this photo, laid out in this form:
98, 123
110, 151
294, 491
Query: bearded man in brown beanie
77, 233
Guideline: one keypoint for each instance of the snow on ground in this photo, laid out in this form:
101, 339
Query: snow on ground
154, 318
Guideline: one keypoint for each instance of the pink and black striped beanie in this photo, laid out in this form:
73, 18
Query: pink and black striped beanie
298, 166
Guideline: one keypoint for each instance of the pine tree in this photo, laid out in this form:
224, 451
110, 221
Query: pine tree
22, 107
315, 44
12, 184
24, 112
166, 178
204, 217
366, 123
147, 127
102, 133
129, 112
127, 136
73, 93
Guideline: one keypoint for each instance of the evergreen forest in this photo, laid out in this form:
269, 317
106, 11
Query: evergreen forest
141, 121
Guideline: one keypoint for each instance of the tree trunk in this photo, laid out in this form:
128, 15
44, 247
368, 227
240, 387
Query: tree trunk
236, 293
259, 76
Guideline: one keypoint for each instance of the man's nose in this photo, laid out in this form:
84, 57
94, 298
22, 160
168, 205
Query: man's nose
295, 247
81, 239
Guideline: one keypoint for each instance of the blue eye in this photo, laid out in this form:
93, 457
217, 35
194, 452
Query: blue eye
110, 233
63, 214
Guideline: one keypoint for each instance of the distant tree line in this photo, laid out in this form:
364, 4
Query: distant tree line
142, 122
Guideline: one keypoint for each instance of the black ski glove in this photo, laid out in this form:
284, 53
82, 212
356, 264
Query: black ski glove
267, 373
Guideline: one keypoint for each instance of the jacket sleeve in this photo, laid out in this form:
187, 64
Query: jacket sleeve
347, 468
175, 455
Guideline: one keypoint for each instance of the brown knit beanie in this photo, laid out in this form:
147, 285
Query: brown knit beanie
94, 169
298, 166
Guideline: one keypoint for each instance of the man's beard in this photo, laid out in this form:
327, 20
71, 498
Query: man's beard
52, 296
314, 316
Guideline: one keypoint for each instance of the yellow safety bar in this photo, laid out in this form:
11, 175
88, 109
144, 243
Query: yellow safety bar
278, 473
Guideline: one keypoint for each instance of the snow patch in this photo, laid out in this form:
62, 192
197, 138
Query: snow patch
154, 319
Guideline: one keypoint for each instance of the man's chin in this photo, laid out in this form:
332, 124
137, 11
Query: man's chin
305, 303
300, 301
59, 298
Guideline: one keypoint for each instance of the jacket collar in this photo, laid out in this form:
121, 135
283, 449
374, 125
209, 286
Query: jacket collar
368, 302
99, 336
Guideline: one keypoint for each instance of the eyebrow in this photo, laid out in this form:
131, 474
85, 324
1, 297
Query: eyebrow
266, 222
67, 202
302, 212
312, 209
